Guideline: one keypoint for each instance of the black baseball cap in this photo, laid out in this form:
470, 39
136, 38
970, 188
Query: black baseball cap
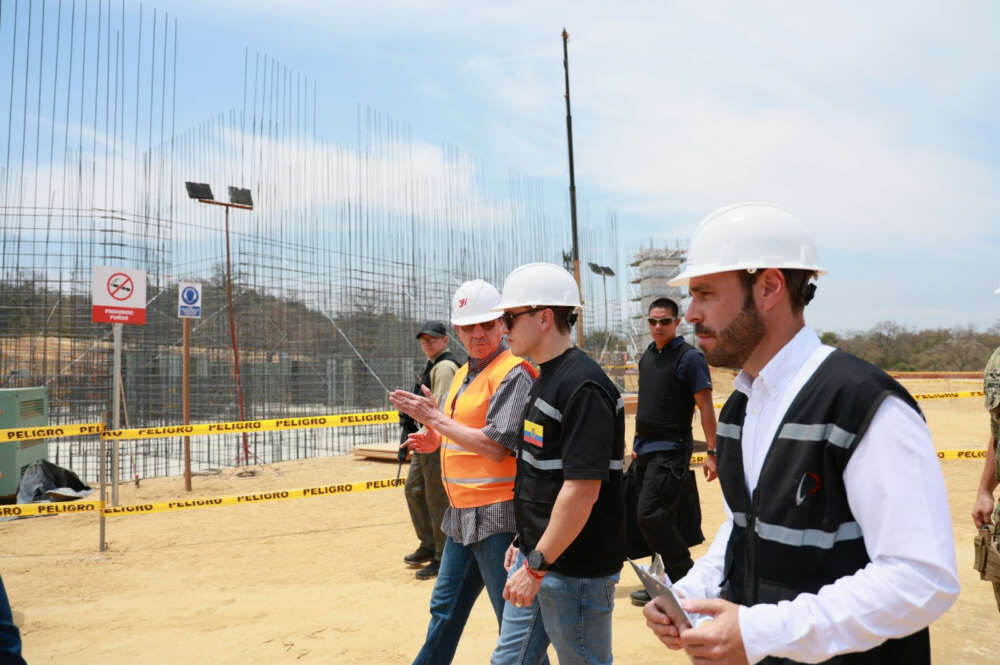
434, 329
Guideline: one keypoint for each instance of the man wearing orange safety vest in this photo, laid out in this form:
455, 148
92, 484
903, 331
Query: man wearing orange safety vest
476, 428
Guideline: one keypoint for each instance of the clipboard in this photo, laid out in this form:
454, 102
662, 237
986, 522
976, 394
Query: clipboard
663, 595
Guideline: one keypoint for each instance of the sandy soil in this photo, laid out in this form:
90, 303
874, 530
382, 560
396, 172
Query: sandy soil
321, 579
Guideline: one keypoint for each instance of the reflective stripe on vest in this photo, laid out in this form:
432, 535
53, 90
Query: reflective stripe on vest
557, 465
549, 410
801, 537
730, 431
819, 433
471, 479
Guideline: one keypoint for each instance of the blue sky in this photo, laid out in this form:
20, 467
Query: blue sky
876, 123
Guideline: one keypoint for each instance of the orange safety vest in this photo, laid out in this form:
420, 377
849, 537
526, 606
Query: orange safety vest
469, 478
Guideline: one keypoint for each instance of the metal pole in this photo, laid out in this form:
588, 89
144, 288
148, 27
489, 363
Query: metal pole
236, 350
116, 404
605, 280
104, 491
186, 400
572, 191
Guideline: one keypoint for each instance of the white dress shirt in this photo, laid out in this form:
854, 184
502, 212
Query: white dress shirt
897, 494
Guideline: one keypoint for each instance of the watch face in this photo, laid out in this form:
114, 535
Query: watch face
535, 560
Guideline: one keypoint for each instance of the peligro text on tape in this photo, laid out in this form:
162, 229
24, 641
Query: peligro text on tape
261, 497
920, 396
966, 393
273, 424
962, 453
25, 509
47, 431
958, 453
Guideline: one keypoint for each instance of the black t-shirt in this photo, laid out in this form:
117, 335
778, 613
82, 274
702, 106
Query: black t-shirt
582, 438
588, 435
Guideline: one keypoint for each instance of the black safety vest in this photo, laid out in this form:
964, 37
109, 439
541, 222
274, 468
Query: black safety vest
666, 403
796, 532
408, 424
599, 548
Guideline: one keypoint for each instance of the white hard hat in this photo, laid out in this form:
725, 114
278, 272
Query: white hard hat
748, 236
536, 284
474, 302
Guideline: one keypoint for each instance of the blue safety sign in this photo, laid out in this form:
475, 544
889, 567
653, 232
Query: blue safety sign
189, 300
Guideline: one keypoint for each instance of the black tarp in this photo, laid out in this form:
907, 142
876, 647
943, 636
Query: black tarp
44, 481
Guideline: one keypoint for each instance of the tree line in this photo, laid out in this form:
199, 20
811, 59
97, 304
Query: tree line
895, 347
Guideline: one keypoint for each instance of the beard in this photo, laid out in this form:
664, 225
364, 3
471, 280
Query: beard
736, 341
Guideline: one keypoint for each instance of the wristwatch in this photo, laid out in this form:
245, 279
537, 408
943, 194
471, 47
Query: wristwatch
536, 561
710, 451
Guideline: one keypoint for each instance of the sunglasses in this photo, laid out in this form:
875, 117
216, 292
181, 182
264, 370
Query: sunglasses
485, 325
508, 317
661, 322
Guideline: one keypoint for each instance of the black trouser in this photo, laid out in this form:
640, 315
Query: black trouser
669, 516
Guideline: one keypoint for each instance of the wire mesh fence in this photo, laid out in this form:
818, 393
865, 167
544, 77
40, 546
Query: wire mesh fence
348, 247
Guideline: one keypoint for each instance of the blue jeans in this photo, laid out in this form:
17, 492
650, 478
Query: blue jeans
573, 613
10, 636
465, 570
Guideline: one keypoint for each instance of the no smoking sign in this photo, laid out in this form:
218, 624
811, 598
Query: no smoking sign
118, 295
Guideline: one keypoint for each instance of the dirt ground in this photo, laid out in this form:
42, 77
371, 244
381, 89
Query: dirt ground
322, 579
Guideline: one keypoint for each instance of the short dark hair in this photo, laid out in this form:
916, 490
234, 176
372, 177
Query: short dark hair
664, 303
800, 291
564, 318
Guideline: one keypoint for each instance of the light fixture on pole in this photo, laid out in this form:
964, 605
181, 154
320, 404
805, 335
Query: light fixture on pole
604, 272
238, 198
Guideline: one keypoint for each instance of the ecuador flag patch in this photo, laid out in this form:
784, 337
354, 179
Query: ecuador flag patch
533, 433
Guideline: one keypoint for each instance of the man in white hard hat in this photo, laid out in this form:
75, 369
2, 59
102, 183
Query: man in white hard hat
425, 495
838, 536
568, 497
985, 514
476, 427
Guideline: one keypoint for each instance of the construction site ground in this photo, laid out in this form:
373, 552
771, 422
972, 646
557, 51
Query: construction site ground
322, 579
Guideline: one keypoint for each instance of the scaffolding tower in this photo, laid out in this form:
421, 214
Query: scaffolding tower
652, 268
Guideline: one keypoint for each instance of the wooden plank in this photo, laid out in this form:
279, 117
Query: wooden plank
385, 451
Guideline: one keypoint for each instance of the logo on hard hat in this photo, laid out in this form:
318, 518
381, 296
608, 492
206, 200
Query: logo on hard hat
461, 302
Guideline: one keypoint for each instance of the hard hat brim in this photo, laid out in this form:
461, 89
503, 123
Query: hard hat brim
690, 273
503, 307
491, 315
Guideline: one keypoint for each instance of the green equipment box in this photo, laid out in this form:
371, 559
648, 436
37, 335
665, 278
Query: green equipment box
21, 407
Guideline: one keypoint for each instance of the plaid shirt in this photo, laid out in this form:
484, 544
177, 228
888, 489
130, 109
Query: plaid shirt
504, 425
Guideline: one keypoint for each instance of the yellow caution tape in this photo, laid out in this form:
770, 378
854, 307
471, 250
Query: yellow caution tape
919, 396
962, 453
27, 509
23, 509
28, 433
957, 453
305, 422
271, 425
262, 497
966, 393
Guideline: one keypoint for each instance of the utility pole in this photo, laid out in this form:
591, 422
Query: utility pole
572, 191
